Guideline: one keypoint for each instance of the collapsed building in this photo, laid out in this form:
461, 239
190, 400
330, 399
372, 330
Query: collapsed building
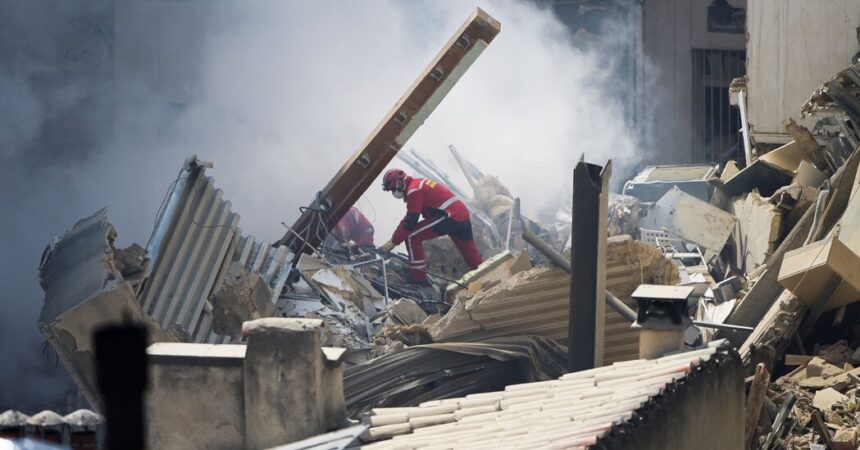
630, 320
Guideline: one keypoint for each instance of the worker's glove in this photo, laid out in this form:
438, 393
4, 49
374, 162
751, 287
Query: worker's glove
387, 247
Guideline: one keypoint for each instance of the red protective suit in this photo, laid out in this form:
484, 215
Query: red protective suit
353, 226
443, 215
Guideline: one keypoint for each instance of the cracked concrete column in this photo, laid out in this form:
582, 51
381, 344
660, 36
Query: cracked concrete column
292, 390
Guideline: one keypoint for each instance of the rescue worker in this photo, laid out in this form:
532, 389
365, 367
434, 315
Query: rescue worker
443, 214
353, 226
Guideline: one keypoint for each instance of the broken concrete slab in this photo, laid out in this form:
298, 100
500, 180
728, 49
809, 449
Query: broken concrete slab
808, 175
731, 169
493, 270
757, 231
243, 296
787, 157
347, 289
826, 398
807, 271
794, 200
624, 213
691, 219
762, 176
84, 289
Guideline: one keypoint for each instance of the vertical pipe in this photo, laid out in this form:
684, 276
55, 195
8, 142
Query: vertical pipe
742, 105
120, 352
588, 257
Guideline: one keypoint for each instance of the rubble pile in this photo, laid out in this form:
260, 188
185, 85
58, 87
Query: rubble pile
703, 275
821, 396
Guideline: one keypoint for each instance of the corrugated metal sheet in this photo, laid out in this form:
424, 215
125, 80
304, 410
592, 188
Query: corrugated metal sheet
195, 238
434, 371
537, 301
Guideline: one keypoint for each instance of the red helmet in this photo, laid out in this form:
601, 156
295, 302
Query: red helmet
391, 177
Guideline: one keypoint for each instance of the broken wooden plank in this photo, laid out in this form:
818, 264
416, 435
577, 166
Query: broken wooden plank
413, 108
755, 399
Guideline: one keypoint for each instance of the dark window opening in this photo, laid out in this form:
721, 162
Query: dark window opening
717, 124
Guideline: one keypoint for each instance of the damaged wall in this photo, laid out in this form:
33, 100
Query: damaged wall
671, 30
781, 78
84, 290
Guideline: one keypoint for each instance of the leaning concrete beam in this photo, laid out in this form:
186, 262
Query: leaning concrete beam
83, 291
410, 112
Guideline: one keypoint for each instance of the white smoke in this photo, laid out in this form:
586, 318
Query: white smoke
278, 94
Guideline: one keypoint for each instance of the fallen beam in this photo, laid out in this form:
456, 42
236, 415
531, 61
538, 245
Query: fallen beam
401, 122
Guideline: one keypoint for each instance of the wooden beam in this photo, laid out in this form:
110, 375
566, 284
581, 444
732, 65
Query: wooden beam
755, 399
413, 108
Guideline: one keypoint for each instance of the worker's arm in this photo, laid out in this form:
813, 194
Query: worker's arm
414, 206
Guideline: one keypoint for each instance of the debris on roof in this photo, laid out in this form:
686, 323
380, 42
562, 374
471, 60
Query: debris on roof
433, 371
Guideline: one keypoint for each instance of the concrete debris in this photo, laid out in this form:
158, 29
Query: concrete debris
492, 271
760, 176
624, 212
297, 337
84, 289
691, 219
402, 326
243, 296
133, 263
757, 231
827, 399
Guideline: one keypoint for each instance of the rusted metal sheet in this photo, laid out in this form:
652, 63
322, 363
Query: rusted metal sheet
419, 101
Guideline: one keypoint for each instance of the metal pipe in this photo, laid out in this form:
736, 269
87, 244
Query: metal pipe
555, 257
379, 259
515, 206
723, 326
384, 279
742, 105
